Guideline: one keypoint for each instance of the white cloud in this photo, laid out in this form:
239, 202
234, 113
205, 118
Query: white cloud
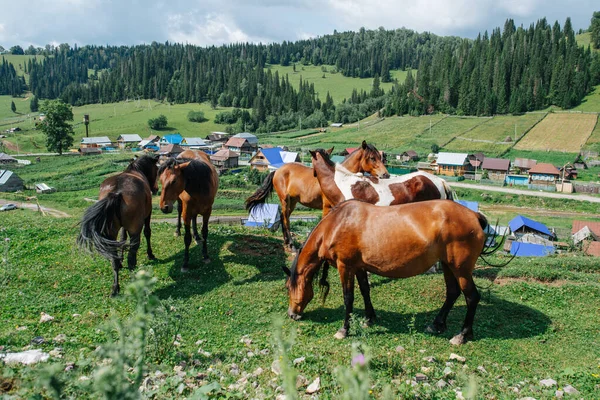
204, 30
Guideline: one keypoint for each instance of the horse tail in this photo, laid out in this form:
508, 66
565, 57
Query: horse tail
491, 248
450, 194
261, 193
97, 225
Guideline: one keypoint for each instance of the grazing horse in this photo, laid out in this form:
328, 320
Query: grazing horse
195, 184
339, 184
188, 155
396, 242
296, 183
125, 202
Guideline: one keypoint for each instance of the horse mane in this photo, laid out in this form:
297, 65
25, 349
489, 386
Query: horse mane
198, 174
143, 165
325, 156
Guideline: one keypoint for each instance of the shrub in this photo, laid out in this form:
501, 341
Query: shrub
159, 122
196, 116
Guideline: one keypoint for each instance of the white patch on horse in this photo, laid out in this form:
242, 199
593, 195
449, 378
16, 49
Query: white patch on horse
345, 179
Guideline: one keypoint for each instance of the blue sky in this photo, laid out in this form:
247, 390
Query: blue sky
215, 22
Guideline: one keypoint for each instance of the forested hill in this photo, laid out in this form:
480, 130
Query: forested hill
514, 69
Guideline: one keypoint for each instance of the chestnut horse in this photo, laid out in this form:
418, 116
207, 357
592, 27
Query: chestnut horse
296, 183
396, 242
195, 184
125, 202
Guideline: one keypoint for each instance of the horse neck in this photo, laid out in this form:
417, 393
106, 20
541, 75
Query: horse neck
352, 162
307, 261
144, 171
326, 177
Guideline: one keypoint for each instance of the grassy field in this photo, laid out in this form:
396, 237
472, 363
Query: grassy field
591, 102
489, 137
593, 142
338, 86
443, 132
559, 132
19, 62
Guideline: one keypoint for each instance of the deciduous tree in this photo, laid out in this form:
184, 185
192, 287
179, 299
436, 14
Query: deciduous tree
59, 133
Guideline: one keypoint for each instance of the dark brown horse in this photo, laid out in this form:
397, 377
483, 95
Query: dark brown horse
296, 183
396, 242
195, 184
125, 203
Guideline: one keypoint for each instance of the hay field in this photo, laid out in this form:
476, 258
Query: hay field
559, 132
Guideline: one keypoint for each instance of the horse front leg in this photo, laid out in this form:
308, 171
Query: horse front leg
123, 238
287, 207
452, 293
116, 266
365, 291
134, 245
187, 240
147, 234
178, 229
195, 229
205, 219
472, 297
347, 278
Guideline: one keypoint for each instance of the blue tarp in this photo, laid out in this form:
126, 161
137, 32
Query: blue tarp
264, 213
471, 205
530, 249
519, 221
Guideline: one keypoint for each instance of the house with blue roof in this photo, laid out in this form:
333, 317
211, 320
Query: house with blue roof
174, 138
521, 225
267, 159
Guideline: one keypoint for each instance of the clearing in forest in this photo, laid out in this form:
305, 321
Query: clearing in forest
559, 132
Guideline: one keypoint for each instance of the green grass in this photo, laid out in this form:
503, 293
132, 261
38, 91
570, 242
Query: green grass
7, 116
591, 102
525, 330
443, 132
338, 85
552, 157
585, 39
593, 142
20, 62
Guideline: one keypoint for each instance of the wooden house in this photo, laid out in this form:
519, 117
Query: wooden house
452, 164
9, 181
543, 176
521, 225
225, 158
239, 145
170, 150
409, 155
266, 159
128, 140
523, 165
174, 138
99, 141
6, 159
497, 168
218, 137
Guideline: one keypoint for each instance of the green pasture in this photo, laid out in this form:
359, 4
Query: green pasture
338, 86
591, 102
593, 143
20, 62
553, 157
536, 321
443, 132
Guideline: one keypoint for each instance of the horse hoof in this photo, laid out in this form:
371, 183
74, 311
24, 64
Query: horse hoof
151, 257
435, 329
430, 329
185, 269
177, 234
458, 340
207, 260
341, 334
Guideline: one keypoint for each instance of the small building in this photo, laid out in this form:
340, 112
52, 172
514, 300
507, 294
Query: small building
6, 159
43, 188
517, 180
252, 139
543, 176
239, 145
336, 125
99, 141
195, 143
588, 234
521, 225
90, 151
452, 164
174, 138
170, 150
425, 167
579, 162
523, 165
225, 158
409, 155
128, 140
497, 168
568, 172
266, 159
9, 181
218, 137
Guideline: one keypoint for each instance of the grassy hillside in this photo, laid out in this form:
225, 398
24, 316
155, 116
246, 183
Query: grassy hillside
19, 62
559, 132
591, 102
338, 85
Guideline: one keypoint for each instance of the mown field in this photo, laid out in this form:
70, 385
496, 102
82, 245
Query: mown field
338, 86
559, 132
536, 321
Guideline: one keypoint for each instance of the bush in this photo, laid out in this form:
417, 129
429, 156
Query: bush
159, 122
196, 116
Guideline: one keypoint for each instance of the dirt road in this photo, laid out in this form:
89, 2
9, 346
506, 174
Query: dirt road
34, 206
578, 197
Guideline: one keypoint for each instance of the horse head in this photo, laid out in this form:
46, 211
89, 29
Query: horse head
172, 180
147, 165
371, 161
300, 290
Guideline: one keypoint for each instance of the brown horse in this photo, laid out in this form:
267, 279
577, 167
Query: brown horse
396, 242
339, 184
125, 202
296, 183
188, 155
195, 184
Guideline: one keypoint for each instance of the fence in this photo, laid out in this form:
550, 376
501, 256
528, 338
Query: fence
586, 188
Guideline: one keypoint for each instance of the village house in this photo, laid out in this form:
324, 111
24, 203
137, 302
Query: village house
588, 234
252, 139
6, 159
543, 176
224, 159
9, 181
194, 143
218, 137
451, 164
174, 138
128, 140
150, 143
99, 141
523, 165
239, 145
170, 150
409, 155
271, 159
90, 151
496, 168
521, 225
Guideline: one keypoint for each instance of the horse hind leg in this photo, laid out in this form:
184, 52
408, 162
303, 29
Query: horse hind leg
347, 278
195, 229
178, 229
147, 234
452, 293
205, 219
134, 245
116, 266
365, 291
472, 298
287, 207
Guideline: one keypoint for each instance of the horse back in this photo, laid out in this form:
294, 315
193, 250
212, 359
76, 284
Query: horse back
136, 195
298, 181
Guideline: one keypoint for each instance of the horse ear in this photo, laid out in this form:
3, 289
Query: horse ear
330, 151
313, 154
286, 270
364, 144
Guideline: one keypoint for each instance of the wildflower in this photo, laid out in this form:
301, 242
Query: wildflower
358, 359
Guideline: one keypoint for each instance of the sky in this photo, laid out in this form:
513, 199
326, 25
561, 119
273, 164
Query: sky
217, 22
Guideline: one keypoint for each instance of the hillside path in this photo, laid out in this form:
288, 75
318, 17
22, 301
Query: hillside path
32, 206
578, 197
